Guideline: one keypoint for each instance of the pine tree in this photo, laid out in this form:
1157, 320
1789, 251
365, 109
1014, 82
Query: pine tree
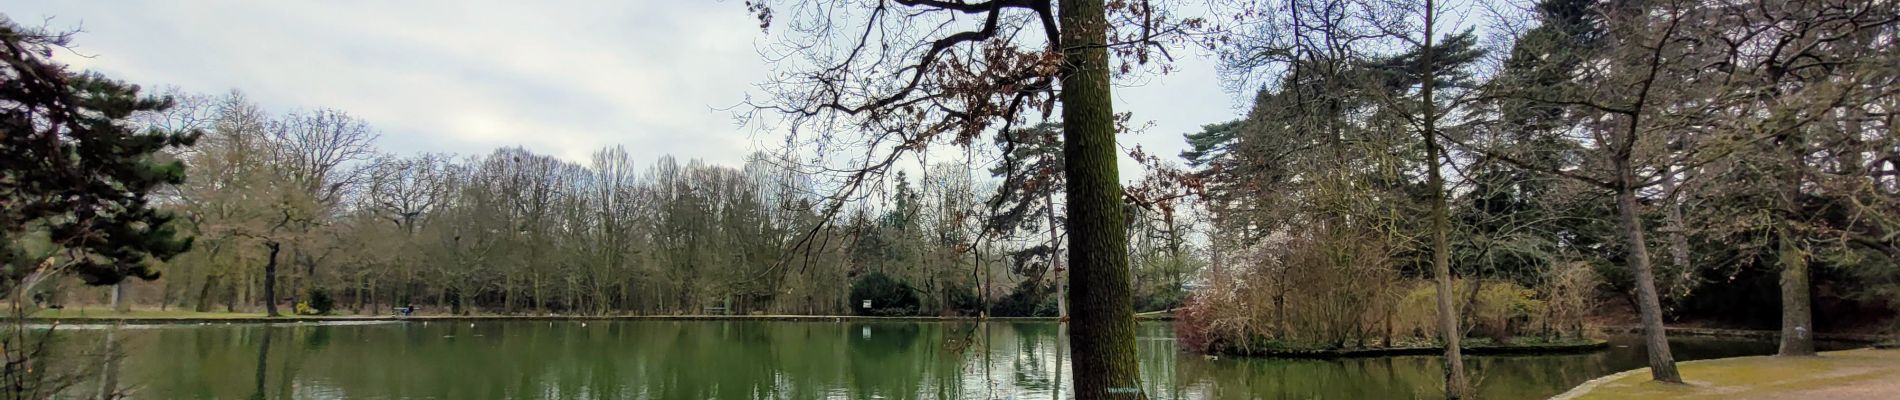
75, 188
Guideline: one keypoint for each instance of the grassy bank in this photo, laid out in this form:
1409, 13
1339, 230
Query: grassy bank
108, 313
1837, 375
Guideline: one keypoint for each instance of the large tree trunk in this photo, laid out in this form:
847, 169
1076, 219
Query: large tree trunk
1797, 324
1797, 332
1797, 336
1102, 306
270, 280
1662, 365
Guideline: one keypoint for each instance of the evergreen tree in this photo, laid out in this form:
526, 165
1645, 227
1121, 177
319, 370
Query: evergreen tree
75, 187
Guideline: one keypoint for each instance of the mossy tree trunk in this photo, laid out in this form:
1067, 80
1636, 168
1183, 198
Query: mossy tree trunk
1102, 308
1797, 324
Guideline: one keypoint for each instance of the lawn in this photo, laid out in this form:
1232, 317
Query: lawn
1837, 375
104, 312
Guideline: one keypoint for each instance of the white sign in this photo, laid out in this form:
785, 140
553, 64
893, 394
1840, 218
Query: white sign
867, 304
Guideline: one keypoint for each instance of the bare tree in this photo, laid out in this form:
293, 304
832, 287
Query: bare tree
405, 189
894, 77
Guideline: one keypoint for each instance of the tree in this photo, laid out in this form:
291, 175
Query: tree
1324, 50
1031, 172
80, 174
189, 112
1455, 382
76, 190
877, 69
1806, 74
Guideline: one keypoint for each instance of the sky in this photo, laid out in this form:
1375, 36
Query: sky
467, 77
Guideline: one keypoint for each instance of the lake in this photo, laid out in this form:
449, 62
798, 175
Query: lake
770, 360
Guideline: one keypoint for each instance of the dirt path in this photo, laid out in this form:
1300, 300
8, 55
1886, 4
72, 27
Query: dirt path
1838, 375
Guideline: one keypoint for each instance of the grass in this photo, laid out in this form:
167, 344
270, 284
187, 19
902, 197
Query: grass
108, 313
1838, 375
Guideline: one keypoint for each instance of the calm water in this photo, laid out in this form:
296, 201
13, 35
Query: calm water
770, 360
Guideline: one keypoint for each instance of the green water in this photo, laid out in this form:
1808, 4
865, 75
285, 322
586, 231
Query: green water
768, 360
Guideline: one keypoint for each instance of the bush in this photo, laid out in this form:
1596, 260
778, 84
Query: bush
1049, 307
961, 299
1192, 330
1160, 301
319, 303
1023, 301
888, 296
1502, 309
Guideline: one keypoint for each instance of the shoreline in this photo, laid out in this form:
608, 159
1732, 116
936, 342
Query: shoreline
153, 320
1588, 346
1746, 333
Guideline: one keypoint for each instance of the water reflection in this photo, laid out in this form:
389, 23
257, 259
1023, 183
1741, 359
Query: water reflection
774, 360
263, 363
110, 361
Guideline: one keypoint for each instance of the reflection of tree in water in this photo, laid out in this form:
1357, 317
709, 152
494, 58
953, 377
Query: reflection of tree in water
294, 357
1034, 363
958, 337
319, 338
775, 360
263, 363
886, 361
878, 340
109, 370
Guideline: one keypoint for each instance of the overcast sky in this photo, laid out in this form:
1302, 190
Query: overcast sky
469, 76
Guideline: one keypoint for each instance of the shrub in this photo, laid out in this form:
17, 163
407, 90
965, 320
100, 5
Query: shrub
1049, 307
961, 299
320, 302
1160, 301
888, 296
1192, 331
1569, 294
1502, 309
1023, 301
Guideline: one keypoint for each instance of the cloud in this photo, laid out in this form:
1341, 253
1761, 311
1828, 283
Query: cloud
467, 77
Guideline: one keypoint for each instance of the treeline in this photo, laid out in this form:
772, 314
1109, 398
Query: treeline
1748, 148
302, 208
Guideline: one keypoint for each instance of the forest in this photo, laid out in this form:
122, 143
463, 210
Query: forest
1391, 183
1752, 147
1771, 153
302, 207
